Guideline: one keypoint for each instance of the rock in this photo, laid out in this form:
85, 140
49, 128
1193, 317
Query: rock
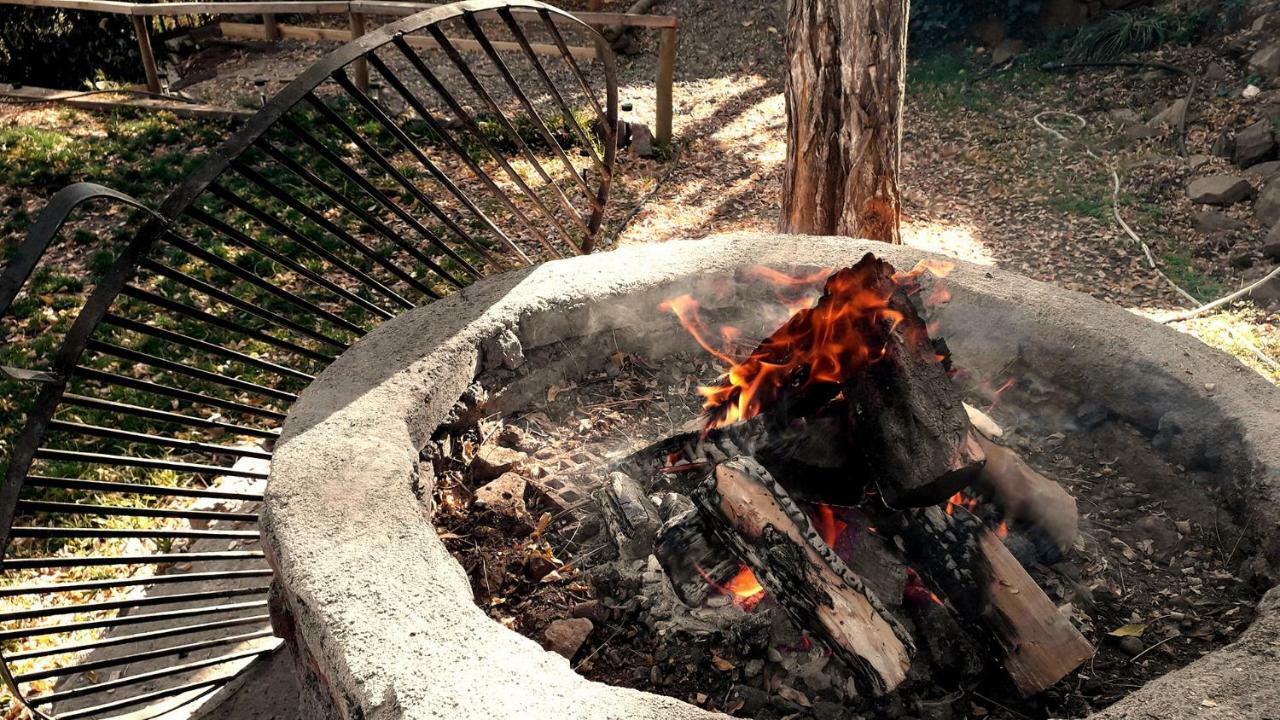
591, 610
1171, 116
1241, 260
1005, 51
1219, 190
1266, 292
1214, 221
1254, 144
1266, 62
1124, 116
1216, 72
505, 497
1267, 208
1223, 145
502, 350
642, 140
566, 636
753, 699
1271, 246
1195, 162
1250, 92
1264, 171
1140, 132
1131, 645
538, 566
493, 460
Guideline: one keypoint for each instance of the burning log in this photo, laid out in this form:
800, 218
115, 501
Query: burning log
750, 513
1026, 495
694, 561
970, 567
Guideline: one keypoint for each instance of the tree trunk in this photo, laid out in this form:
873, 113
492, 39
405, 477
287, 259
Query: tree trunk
844, 94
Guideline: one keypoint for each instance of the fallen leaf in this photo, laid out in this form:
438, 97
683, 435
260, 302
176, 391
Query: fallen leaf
1130, 630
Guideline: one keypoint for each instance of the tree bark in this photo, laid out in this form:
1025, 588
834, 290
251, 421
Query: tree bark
844, 96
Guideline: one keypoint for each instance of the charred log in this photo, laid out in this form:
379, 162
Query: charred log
969, 566
750, 513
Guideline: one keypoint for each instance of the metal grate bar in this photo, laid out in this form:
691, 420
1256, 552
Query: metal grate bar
71, 508
89, 373
131, 582
170, 336
165, 416
107, 486
132, 603
140, 656
143, 677
95, 560
159, 363
128, 620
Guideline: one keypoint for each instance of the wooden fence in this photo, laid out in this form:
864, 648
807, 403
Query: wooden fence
358, 11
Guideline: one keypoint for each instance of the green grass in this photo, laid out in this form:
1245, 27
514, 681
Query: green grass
1179, 267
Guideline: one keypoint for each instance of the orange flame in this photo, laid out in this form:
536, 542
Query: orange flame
1002, 531
915, 589
824, 343
828, 525
743, 588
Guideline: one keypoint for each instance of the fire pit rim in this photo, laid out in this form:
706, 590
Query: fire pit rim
375, 637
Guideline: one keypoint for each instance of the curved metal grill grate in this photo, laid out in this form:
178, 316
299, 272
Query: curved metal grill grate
480, 141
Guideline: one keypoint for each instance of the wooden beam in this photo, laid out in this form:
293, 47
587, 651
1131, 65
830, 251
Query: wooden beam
360, 67
148, 55
272, 27
76, 99
254, 31
390, 7
666, 80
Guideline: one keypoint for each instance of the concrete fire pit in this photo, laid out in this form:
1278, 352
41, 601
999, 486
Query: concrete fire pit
382, 620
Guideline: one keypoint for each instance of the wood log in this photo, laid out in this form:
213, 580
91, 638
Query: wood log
968, 565
694, 561
1027, 496
909, 427
751, 515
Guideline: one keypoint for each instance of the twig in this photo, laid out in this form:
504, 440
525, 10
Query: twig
1134, 659
1188, 314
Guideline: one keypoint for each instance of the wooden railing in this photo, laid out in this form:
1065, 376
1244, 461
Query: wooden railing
358, 11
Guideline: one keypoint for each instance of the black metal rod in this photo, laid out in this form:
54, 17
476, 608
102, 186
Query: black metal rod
142, 462
107, 486
240, 303
134, 437
307, 307
123, 353
406, 142
143, 677
567, 56
116, 640
81, 532
71, 508
247, 242
377, 195
462, 116
459, 152
191, 421
310, 245
390, 169
310, 178
133, 602
477, 32
176, 338
88, 373
229, 575
207, 685
202, 316
570, 118
140, 656
514, 135
128, 620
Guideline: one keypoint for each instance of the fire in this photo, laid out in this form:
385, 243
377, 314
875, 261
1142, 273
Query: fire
917, 592
1002, 531
743, 588
828, 525
961, 500
822, 344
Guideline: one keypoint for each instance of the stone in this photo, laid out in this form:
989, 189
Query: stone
1195, 162
1267, 207
1241, 260
1223, 145
566, 637
1140, 132
1214, 221
1125, 116
642, 140
502, 350
538, 566
1266, 292
505, 497
1250, 92
1266, 62
1131, 645
1271, 246
1254, 144
493, 460
1216, 72
1219, 190
1006, 51
1264, 171
1172, 116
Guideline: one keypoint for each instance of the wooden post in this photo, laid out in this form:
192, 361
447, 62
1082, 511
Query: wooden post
666, 76
148, 56
360, 67
271, 26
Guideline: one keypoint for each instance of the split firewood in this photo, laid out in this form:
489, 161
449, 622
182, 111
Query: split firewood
752, 516
983, 422
1026, 495
694, 561
630, 516
968, 565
